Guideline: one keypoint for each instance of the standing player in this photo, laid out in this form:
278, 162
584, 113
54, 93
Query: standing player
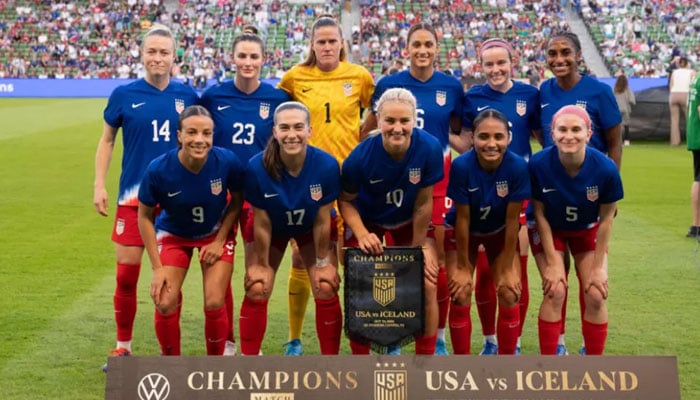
335, 91
147, 110
292, 193
242, 110
574, 193
488, 185
190, 184
520, 104
569, 86
387, 184
439, 98
693, 143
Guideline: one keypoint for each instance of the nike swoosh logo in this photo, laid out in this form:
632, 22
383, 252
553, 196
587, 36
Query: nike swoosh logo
268, 195
137, 105
547, 190
373, 181
472, 189
482, 108
544, 105
304, 90
173, 194
220, 108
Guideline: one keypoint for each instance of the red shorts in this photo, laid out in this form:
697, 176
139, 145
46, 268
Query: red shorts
399, 236
579, 241
249, 236
441, 205
126, 227
176, 251
493, 243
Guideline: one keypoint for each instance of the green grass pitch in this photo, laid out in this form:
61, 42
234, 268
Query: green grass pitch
57, 263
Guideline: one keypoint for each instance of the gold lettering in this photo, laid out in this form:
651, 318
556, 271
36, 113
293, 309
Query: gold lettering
351, 377
587, 381
469, 383
607, 380
190, 380
281, 377
529, 380
628, 381
307, 380
259, 383
215, 380
332, 379
236, 382
519, 381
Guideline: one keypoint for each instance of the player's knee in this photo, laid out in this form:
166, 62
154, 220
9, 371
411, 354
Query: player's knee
594, 299
507, 296
324, 291
463, 299
127, 278
213, 301
258, 291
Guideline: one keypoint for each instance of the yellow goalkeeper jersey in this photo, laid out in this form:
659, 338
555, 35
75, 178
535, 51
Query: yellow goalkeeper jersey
335, 100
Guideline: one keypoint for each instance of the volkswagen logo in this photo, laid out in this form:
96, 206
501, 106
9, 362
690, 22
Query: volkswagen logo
154, 387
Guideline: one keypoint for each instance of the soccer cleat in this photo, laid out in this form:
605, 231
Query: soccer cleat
692, 231
490, 349
231, 348
561, 350
293, 348
582, 351
393, 350
517, 350
118, 352
441, 348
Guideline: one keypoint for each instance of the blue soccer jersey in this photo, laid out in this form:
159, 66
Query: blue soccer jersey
595, 97
438, 100
192, 204
386, 188
149, 120
292, 203
243, 122
573, 203
520, 104
487, 194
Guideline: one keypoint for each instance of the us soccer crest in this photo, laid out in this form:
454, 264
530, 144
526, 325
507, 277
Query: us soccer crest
592, 193
316, 192
179, 105
521, 107
347, 88
216, 187
414, 175
581, 103
384, 288
440, 97
502, 188
120, 226
390, 383
264, 110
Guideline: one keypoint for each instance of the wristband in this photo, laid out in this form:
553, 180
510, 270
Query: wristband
321, 262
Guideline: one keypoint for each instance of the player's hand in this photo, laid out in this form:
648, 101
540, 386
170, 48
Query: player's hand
598, 279
159, 284
211, 253
258, 274
99, 199
431, 269
461, 284
551, 278
328, 275
371, 244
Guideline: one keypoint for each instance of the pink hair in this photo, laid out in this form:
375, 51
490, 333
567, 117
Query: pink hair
572, 110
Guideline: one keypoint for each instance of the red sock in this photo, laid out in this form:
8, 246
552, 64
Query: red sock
228, 301
125, 300
549, 336
485, 295
215, 330
443, 297
594, 336
507, 329
524, 301
358, 348
168, 333
425, 345
329, 324
253, 323
461, 328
